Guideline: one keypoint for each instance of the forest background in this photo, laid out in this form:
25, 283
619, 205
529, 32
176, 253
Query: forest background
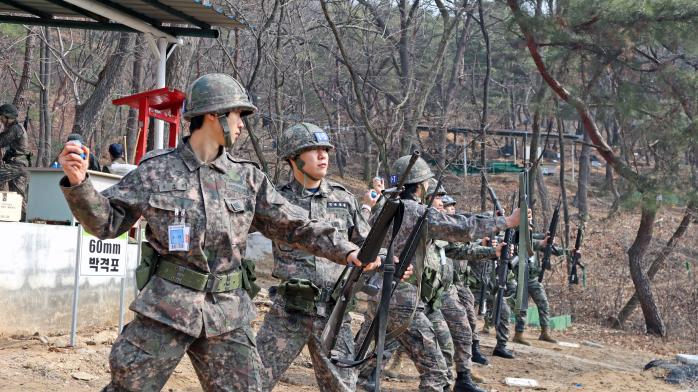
387, 77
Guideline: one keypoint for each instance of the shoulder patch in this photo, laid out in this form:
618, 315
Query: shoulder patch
155, 153
243, 161
336, 185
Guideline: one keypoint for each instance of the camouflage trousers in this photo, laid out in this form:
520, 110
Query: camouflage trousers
13, 178
536, 292
284, 334
456, 317
420, 343
467, 299
444, 338
502, 330
147, 352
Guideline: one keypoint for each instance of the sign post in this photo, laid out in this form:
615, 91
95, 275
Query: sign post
95, 257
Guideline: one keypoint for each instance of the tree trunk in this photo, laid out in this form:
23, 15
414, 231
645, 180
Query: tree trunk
132, 126
91, 109
658, 263
636, 253
30, 45
583, 180
485, 99
44, 146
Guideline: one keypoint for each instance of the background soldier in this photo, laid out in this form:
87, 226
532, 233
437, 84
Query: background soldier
15, 158
536, 291
199, 203
302, 302
418, 339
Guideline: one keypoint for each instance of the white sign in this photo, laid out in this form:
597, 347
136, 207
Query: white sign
103, 257
10, 206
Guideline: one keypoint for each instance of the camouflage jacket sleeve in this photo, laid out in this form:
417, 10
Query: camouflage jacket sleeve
280, 220
111, 213
361, 228
456, 228
469, 252
10, 135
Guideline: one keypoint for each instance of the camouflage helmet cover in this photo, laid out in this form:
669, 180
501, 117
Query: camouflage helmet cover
301, 137
420, 171
9, 110
448, 200
432, 188
217, 93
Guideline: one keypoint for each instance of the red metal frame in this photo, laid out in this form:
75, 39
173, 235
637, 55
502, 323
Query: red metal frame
156, 104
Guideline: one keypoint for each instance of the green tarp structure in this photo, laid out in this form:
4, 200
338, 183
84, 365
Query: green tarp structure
559, 323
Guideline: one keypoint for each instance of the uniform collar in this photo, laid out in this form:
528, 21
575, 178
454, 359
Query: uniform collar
297, 188
193, 163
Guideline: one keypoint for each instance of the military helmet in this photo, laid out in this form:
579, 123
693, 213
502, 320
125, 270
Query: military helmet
448, 200
300, 137
432, 188
217, 93
9, 110
420, 171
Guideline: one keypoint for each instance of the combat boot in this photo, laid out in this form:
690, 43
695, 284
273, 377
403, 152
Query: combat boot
545, 335
519, 338
503, 352
477, 355
466, 384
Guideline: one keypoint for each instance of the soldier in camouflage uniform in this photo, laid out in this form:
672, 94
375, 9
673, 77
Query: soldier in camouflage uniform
418, 338
199, 202
462, 255
302, 302
15, 160
536, 291
483, 276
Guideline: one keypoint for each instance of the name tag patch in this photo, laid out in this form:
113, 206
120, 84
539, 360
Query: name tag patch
338, 204
321, 137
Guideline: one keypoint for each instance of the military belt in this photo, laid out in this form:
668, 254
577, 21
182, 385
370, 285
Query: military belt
200, 281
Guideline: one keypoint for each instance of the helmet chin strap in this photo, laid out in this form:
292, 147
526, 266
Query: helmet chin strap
300, 164
227, 135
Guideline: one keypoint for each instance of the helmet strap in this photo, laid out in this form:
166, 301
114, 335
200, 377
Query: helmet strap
300, 164
227, 135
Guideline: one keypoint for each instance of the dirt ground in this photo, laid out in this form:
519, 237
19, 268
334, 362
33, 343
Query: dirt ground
607, 360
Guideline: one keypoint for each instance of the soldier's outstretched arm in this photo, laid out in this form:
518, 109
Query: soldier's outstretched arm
280, 220
469, 251
462, 228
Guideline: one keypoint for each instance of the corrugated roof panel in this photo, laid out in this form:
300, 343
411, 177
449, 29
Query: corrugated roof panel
194, 8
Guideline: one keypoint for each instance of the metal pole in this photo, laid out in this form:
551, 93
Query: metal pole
514, 151
162, 69
76, 290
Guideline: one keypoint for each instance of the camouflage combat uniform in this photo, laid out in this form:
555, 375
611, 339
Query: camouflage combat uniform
536, 289
463, 256
222, 200
478, 271
13, 172
284, 332
419, 339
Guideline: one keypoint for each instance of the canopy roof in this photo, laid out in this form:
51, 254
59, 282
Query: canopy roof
161, 18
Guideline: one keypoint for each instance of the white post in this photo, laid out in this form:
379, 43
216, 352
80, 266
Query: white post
76, 290
162, 69
514, 151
